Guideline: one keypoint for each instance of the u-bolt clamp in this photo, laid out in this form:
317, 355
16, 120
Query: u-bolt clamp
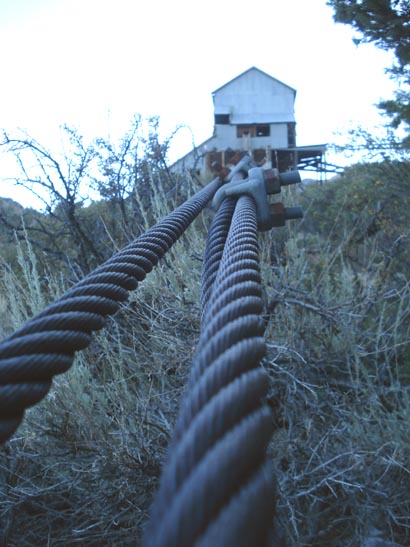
258, 185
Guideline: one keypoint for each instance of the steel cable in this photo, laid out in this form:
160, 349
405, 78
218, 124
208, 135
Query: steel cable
215, 488
215, 244
45, 345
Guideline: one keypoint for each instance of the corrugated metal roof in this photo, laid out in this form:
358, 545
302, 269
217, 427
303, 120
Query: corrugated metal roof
258, 70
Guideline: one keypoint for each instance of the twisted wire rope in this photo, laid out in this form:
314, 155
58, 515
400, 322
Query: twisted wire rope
45, 345
215, 244
215, 488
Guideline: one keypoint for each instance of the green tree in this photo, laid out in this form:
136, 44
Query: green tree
386, 23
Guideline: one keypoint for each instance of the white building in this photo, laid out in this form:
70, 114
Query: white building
255, 113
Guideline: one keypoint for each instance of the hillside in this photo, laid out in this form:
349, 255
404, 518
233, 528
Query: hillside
11, 213
83, 467
15, 220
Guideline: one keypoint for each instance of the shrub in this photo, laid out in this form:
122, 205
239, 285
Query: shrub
84, 465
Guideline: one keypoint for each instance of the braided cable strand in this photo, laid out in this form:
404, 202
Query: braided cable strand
215, 488
215, 244
45, 345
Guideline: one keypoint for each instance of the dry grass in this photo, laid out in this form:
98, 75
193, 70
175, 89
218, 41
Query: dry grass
84, 465
337, 356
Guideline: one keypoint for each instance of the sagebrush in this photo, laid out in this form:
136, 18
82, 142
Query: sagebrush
83, 467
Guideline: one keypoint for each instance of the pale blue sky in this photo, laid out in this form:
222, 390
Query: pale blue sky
94, 63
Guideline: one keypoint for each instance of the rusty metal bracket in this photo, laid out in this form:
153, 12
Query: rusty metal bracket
258, 185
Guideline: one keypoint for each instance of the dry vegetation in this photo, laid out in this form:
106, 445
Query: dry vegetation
83, 467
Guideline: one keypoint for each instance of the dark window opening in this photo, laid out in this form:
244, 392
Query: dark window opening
243, 130
253, 130
222, 119
263, 131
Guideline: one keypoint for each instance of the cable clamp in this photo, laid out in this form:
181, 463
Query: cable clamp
258, 185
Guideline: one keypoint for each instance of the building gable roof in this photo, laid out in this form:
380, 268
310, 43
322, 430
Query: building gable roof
253, 68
